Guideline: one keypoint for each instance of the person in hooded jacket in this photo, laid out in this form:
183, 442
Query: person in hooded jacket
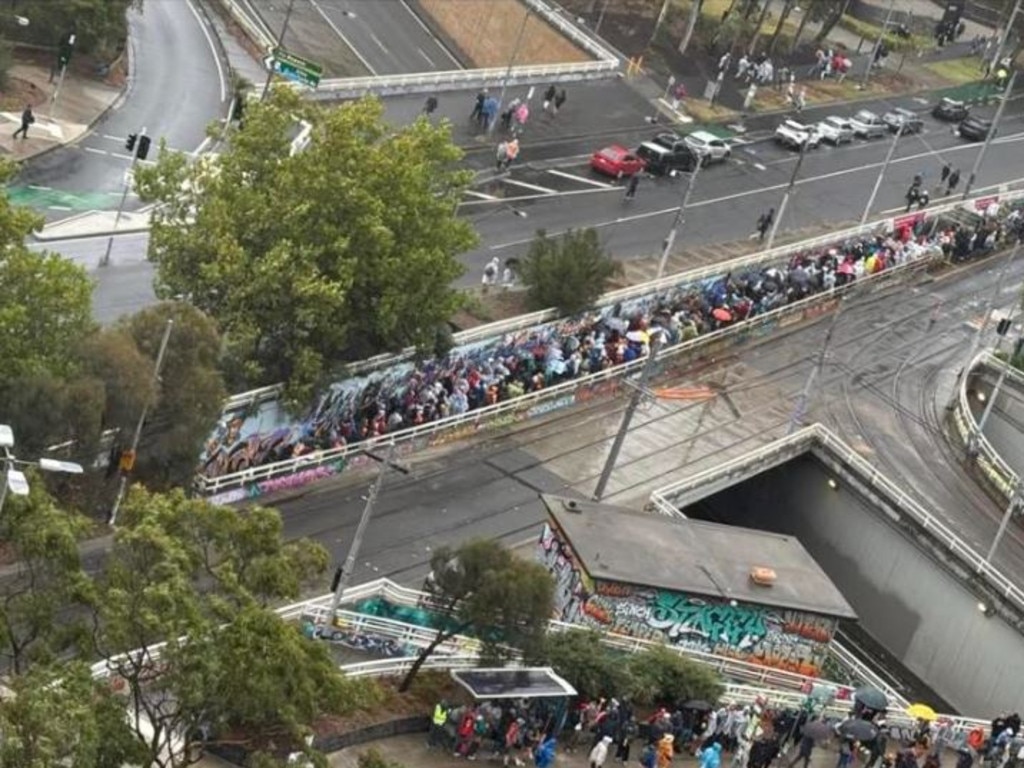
666, 750
544, 755
711, 756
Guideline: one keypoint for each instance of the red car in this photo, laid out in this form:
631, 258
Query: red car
616, 161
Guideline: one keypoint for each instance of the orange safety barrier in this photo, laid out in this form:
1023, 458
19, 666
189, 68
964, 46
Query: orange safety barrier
684, 393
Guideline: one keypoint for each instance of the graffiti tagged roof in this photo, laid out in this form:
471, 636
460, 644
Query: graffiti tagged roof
683, 555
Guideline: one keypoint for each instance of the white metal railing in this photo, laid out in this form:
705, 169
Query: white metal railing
817, 434
212, 486
251, 23
988, 459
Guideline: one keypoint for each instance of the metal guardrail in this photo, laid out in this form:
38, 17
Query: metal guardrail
816, 434
989, 461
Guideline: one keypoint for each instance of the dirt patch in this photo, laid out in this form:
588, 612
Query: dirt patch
18, 93
485, 33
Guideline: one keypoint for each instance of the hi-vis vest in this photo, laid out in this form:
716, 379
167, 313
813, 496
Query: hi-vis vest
440, 715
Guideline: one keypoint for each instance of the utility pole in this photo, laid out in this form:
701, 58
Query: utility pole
800, 409
138, 144
357, 541
878, 45
128, 460
511, 63
1011, 509
991, 135
786, 195
639, 392
279, 44
604, 7
670, 241
1005, 36
881, 175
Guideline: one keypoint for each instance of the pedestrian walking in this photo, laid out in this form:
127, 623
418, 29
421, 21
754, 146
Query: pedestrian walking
723, 63
430, 105
801, 99
478, 107
946, 170
599, 753
27, 118
559, 100
764, 223
512, 150
549, 96
803, 752
634, 182
954, 179
502, 156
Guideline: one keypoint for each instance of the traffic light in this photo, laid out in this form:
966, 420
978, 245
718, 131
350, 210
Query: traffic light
130, 144
336, 580
144, 142
64, 49
1004, 326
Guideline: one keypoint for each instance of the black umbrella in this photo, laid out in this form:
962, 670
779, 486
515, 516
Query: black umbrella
819, 730
872, 698
860, 730
697, 704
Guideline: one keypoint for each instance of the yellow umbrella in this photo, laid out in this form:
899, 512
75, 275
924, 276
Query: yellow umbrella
922, 712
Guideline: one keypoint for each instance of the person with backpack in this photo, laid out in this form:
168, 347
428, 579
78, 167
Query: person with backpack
27, 118
649, 756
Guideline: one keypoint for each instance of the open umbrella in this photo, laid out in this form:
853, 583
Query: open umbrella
819, 730
872, 698
859, 730
922, 712
722, 314
697, 704
641, 337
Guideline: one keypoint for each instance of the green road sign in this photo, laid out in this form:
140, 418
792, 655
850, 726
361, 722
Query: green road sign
296, 68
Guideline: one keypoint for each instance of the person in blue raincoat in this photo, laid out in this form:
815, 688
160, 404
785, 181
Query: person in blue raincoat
544, 755
711, 756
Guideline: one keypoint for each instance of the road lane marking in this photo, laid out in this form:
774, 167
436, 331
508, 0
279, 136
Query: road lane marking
42, 189
761, 166
59, 207
434, 37
598, 225
423, 53
344, 39
481, 195
583, 179
534, 187
96, 151
213, 51
379, 43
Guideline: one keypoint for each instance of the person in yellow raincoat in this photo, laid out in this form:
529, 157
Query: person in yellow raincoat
666, 750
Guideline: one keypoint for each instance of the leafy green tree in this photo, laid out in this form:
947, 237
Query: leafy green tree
661, 676
191, 391
100, 26
59, 715
592, 668
38, 598
569, 273
307, 259
197, 578
45, 300
484, 590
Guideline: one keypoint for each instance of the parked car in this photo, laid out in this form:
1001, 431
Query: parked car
835, 130
867, 125
903, 120
616, 161
709, 147
951, 111
660, 159
796, 135
974, 129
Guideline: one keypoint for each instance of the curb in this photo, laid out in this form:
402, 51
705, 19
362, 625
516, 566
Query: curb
89, 235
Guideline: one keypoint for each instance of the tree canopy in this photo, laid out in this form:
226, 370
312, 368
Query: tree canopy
100, 26
569, 272
484, 590
310, 258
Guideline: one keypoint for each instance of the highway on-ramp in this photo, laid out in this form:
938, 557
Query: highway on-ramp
883, 387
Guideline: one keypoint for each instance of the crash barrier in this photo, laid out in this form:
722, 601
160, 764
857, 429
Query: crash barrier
995, 469
224, 486
604, 63
669, 499
396, 637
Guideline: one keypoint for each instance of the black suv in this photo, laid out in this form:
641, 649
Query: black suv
951, 111
975, 129
663, 155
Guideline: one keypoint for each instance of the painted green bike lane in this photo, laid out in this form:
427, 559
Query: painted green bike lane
42, 198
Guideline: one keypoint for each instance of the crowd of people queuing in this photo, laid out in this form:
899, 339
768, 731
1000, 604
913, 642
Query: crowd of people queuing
542, 357
532, 733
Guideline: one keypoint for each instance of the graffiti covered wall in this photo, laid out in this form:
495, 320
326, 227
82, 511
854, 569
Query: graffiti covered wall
791, 640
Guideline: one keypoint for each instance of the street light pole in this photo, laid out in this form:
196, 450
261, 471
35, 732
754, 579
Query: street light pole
800, 409
881, 175
991, 135
126, 188
639, 391
133, 451
785, 196
364, 521
14, 480
1011, 508
1006, 35
878, 44
277, 45
670, 240
511, 63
